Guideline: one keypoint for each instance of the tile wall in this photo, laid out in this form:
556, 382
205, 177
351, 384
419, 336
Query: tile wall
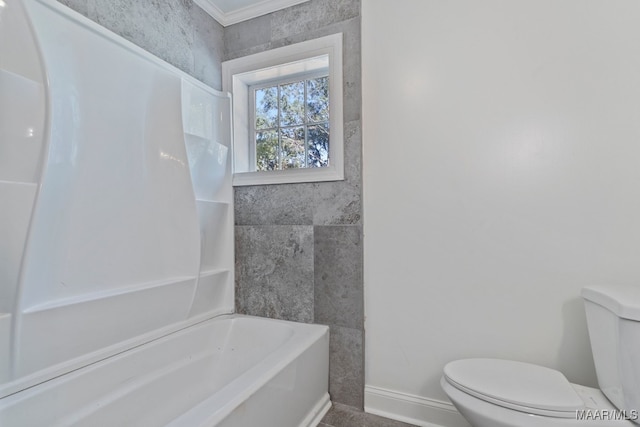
179, 32
299, 246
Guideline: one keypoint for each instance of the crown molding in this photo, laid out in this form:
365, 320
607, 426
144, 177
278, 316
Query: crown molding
259, 8
210, 7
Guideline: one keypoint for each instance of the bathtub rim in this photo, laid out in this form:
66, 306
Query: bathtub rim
276, 362
239, 389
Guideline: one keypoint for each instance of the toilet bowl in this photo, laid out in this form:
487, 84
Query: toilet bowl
505, 393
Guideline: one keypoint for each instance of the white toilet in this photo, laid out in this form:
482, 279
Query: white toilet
504, 393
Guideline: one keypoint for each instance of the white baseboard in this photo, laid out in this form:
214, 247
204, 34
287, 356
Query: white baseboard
318, 412
411, 409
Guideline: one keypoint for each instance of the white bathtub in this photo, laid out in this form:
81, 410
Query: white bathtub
229, 371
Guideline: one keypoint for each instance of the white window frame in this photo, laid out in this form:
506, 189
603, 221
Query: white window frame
241, 74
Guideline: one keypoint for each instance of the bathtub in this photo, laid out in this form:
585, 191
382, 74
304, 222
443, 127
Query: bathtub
230, 371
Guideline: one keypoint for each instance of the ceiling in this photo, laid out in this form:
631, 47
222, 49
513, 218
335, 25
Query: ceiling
228, 12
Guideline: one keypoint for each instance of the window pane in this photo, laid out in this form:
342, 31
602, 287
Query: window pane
292, 148
267, 150
318, 99
318, 139
266, 107
292, 104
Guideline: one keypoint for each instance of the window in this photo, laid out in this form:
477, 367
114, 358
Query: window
291, 124
287, 113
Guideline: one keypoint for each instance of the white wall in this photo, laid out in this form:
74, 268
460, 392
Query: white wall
501, 175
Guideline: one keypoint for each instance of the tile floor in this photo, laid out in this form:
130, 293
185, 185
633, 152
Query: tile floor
346, 416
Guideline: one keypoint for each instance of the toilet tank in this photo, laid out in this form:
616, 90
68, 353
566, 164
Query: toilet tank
613, 318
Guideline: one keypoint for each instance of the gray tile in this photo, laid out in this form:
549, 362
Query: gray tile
79, 6
178, 32
274, 271
337, 203
162, 28
247, 34
322, 203
345, 416
346, 366
208, 48
248, 51
353, 153
284, 204
338, 276
352, 67
344, 27
311, 15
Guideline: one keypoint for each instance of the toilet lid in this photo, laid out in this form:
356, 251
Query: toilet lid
517, 385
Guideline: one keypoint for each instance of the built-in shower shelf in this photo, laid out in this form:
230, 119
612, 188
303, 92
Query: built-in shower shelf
79, 299
213, 272
220, 202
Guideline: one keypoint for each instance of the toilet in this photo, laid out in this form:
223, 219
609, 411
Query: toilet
505, 393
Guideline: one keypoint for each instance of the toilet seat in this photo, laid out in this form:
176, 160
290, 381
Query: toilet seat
516, 385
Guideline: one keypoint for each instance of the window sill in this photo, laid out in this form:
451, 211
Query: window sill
290, 176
